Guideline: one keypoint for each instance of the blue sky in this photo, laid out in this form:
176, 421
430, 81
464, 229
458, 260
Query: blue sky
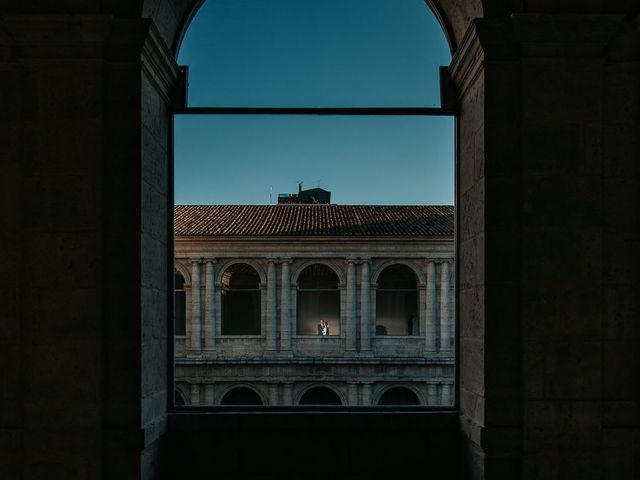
298, 53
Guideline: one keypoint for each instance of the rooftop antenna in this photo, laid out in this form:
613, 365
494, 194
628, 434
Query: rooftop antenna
270, 195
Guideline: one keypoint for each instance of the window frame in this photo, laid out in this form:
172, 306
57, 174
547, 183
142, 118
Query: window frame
448, 108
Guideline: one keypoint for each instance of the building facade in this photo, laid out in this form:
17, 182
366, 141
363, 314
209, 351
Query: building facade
253, 284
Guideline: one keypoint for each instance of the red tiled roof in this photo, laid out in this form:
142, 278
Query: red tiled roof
313, 220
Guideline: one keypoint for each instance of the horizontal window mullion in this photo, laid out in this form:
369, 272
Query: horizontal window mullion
390, 111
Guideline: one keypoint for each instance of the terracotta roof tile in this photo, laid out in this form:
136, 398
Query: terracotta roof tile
313, 220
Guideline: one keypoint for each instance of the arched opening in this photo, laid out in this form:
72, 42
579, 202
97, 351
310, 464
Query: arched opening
320, 396
240, 300
241, 396
397, 309
362, 135
398, 396
318, 300
178, 398
179, 305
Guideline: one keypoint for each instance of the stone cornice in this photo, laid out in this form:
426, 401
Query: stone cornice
467, 61
158, 63
485, 40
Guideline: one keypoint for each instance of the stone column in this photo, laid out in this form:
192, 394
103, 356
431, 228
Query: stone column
352, 393
365, 307
195, 394
271, 306
431, 327
422, 313
209, 331
351, 305
432, 395
445, 308
196, 307
273, 394
208, 394
287, 393
285, 306
217, 313
451, 324
445, 394
366, 394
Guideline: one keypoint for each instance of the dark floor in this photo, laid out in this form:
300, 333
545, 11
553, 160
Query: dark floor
314, 445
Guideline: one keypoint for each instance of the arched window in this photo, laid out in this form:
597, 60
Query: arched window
397, 302
320, 396
318, 299
178, 399
240, 300
179, 306
241, 396
399, 396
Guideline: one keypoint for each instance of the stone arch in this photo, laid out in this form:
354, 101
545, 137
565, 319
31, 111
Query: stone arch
387, 388
184, 271
420, 278
397, 311
319, 385
332, 265
245, 386
173, 18
242, 308
229, 263
315, 303
179, 393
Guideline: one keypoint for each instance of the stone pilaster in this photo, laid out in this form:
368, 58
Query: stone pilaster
273, 394
431, 323
352, 393
446, 397
365, 307
366, 394
432, 395
208, 394
445, 307
285, 306
420, 328
195, 323
287, 393
195, 394
272, 326
351, 305
209, 331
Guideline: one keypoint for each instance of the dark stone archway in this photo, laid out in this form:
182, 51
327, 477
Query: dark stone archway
547, 226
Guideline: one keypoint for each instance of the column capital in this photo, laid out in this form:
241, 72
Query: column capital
272, 259
212, 260
442, 260
353, 260
285, 260
366, 261
196, 260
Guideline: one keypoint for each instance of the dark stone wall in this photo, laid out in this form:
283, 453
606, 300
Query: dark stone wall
83, 342
548, 240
